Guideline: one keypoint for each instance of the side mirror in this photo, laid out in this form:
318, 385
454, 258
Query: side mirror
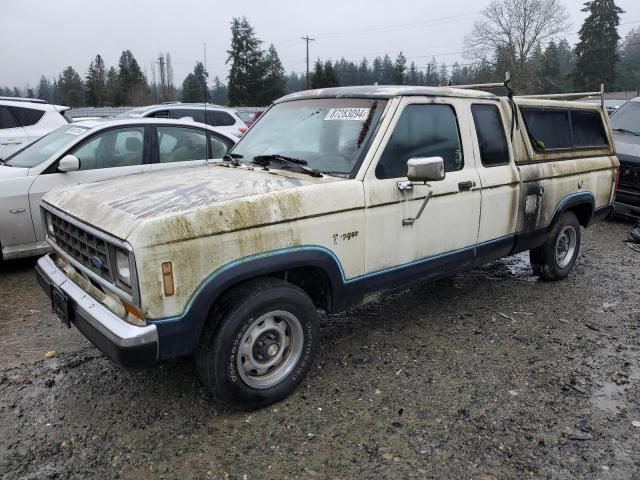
69, 163
425, 169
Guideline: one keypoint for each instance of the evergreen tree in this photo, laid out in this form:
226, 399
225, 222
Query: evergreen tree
597, 51
112, 92
364, 73
96, 83
44, 89
566, 62
399, 70
330, 77
388, 70
376, 74
317, 76
219, 92
30, 93
71, 88
549, 74
431, 76
245, 57
629, 65
443, 75
412, 75
132, 84
274, 83
192, 89
457, 76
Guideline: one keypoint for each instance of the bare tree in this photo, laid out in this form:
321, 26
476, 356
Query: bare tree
511, 29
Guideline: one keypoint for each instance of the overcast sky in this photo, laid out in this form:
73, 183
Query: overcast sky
44, 36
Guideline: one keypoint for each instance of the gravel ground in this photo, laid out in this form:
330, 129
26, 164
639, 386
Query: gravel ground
487, 375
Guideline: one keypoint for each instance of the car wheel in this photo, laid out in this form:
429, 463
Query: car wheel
259, 343
556, 257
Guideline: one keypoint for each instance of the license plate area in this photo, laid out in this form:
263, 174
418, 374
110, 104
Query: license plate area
61, 305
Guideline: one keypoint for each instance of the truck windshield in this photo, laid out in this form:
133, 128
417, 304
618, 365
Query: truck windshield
38, 151
627, 118
329, 135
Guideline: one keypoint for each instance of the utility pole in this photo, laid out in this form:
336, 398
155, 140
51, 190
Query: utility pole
307, 39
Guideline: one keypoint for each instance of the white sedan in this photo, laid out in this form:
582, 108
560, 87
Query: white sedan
89, 151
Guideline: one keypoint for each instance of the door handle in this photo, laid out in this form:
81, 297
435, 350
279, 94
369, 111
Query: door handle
468, 185
11, 142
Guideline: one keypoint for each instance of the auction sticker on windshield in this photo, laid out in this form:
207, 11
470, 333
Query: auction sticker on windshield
76, 130
359, 114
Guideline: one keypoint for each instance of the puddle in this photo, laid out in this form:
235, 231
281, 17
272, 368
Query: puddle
610, 396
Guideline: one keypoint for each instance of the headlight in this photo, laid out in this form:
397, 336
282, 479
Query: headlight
124, 272
50, 224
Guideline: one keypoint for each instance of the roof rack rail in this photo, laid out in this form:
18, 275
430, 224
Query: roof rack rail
480, 85
569, 96
23, 99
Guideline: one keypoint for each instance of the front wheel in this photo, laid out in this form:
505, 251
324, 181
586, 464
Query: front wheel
556, 257
259, 343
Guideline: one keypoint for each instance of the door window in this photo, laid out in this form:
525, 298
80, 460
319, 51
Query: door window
491, 137
218, 146
422, 131
115, 148
179, 144
219, 119
6, 119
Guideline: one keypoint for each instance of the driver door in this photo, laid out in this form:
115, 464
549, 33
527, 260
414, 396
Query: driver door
109, 154
444, 237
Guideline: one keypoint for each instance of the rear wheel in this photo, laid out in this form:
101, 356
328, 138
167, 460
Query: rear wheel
556, 257
259, 343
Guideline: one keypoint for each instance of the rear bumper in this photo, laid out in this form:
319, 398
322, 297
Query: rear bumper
125, 344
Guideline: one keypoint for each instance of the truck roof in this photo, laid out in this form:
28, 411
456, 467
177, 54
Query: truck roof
385, 92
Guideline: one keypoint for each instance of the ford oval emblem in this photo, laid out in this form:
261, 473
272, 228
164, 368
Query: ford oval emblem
96, 262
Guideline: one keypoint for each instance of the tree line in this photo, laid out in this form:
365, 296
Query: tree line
523, 37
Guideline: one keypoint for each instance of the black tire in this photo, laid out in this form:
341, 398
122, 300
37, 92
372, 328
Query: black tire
547, 261
222, 351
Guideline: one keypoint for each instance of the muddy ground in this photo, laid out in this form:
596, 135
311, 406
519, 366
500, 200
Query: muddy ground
489, 374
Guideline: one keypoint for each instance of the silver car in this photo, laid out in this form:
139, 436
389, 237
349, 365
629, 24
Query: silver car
89, 151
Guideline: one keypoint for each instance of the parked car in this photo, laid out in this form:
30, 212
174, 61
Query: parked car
250, 114
626, 129
24, 120
332, 198
88, 151
224, 118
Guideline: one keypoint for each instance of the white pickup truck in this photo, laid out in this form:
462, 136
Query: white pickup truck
331, 198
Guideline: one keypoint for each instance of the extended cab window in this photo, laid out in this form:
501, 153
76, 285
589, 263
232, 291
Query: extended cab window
422, 131
178, 144
491, 137
564, 129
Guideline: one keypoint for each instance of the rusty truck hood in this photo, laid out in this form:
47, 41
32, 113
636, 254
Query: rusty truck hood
119, 206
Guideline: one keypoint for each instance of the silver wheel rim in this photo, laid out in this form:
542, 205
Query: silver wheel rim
566, 246
270, 349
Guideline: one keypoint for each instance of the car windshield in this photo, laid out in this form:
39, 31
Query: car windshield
627, 118
329, 135
38, 151
134, 112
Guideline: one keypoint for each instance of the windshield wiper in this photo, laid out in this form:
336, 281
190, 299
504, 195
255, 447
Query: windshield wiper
300, 165
624, 130
233, 158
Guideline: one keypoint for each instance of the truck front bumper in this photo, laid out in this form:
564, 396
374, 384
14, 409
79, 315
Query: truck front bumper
126, 344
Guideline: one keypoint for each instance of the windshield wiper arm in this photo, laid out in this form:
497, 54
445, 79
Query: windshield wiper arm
265, 161
624, 130
233, 158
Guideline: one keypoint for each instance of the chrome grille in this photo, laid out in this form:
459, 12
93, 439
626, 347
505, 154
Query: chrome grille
87, 249
630, 176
